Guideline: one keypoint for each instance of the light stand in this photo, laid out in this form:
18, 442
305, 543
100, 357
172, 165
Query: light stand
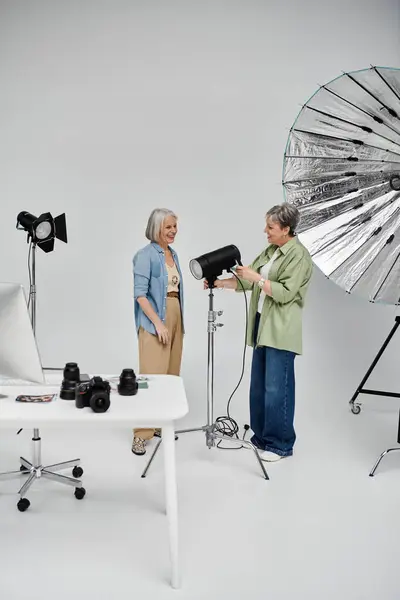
34, 470
32, 289
211, 428
355, 406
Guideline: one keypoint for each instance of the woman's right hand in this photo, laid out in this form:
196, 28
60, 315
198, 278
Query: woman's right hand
217, 284
162, 333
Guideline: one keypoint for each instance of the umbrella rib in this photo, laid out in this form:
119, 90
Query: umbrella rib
375, 118
327, 180
346, 232
360, 160
340, 178
372, 261
386, 82
339, 237
387, 276
347, 209
345, 206
353, 253
390, 110
352, 104
330, 137
368, 129
350, 141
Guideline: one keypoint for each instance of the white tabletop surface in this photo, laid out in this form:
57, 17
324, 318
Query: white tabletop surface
164, 401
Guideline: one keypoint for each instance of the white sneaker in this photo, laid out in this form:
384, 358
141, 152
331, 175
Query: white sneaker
248, 447
270, 456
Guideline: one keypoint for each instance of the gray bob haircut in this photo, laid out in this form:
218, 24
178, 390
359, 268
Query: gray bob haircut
286, 215
155, 222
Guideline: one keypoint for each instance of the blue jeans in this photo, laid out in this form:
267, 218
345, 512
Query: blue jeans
272, 389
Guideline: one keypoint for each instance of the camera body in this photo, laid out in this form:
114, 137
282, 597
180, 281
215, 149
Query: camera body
94, 394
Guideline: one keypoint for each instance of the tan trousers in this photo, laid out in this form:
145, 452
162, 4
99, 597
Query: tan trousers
156, 358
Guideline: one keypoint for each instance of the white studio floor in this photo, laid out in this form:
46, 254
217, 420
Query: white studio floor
320, 529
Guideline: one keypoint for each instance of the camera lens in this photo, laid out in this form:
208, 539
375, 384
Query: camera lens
100, 402
71, 377
128, 386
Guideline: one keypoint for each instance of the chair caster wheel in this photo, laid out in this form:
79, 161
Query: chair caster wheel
80, 493
23, 504
356, 409
23, 469
77, 472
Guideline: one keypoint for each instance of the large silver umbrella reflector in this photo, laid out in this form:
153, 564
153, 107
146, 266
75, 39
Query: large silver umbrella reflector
342, 171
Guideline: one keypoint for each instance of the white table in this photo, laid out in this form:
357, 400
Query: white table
158, 406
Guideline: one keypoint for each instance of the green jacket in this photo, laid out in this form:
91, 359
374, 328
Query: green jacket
281, 317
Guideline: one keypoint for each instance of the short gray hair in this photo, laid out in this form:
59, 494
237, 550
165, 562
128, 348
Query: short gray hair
155, 222
286, 215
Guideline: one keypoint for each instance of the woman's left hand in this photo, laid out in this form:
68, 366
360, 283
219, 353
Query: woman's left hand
247, 274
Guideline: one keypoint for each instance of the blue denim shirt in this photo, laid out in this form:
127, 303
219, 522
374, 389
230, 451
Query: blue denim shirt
150, 279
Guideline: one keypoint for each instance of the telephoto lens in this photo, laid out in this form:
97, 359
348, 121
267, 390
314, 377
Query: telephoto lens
128, 386
71, 378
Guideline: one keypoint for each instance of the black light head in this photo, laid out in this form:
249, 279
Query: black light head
209, 266
43, 229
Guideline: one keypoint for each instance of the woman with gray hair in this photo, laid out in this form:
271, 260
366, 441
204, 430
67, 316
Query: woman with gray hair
158, 294
278, 280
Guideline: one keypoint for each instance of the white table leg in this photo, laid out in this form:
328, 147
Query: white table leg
171, 499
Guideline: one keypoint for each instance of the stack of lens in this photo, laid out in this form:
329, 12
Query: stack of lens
128, 386
70, 380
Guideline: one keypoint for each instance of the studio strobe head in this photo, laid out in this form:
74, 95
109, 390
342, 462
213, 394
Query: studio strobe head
212, 264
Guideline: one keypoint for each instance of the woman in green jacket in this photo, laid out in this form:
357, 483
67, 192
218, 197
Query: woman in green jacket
278, 280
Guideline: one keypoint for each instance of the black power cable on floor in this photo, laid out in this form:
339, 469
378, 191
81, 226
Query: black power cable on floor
226, 424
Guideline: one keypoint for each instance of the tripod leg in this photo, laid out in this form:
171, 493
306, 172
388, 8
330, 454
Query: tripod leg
220, 436
356, 408
190, 430
252, 446
158, 446
152, 458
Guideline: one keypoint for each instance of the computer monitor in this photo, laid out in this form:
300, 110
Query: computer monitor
19, 356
